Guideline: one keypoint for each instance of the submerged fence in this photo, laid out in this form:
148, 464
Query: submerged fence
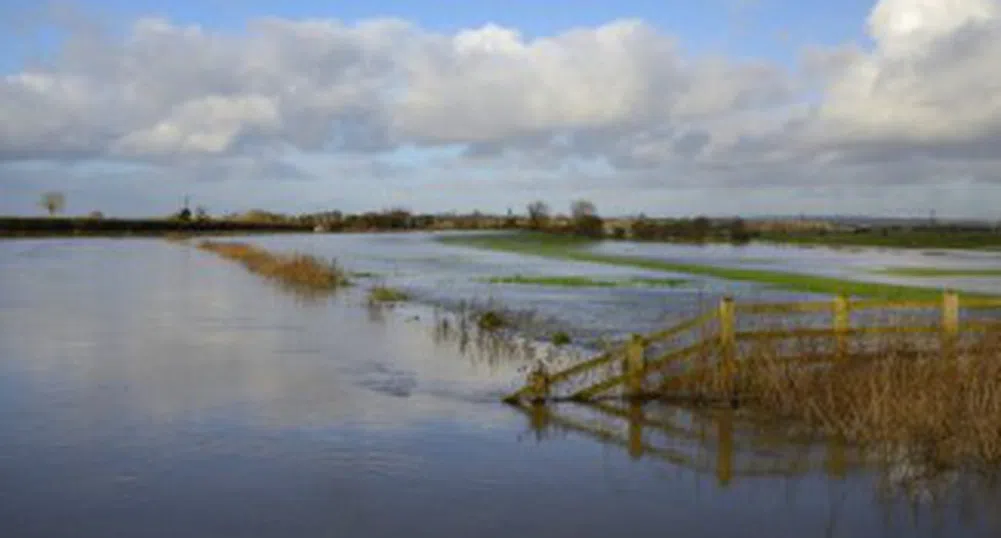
719, 339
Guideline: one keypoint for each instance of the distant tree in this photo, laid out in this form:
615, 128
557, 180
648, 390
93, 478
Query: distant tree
183, 215
95, 215
201, 213
53, 202
582, 208
585, 218
538, 215
738, 231
701, 227
511, 221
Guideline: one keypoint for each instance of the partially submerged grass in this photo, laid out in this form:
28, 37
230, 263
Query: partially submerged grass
573, 281
922, 272
491, 320
656, 282
560, 338
575, 249
555, 281
299, 272
385, 294
898, 397
499, 334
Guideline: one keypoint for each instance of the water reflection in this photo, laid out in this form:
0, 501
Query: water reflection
732, 446
152, 390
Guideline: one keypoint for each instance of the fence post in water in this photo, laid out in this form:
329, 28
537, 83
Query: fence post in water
635, 365
842, 322
728, 339
538, 383
950, 323
635, 430
724, 449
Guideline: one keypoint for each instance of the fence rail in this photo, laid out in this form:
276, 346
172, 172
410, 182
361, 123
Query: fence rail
724, 339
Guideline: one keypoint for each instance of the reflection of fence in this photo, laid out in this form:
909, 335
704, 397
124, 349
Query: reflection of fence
716, 341
714, 442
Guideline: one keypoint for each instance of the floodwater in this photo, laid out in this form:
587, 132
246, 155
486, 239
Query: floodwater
855, 263
150, 389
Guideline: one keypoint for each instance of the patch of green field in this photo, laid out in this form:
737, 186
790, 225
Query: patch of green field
585, 282
938, 272
574, 249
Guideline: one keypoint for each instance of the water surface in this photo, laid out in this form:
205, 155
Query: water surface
149, 389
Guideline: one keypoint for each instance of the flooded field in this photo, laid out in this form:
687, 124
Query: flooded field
151, 389
856, 263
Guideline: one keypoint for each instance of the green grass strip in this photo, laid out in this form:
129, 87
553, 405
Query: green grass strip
922, 272
573, 249
585, 282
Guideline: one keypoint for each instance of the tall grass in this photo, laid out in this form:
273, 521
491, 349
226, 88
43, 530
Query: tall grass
898, 396
299, 272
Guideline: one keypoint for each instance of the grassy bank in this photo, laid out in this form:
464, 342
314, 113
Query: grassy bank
297, 272
91, 227
575, 249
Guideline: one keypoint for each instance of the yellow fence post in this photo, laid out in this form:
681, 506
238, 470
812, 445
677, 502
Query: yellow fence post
538, 418
728, 340
635, 365
842, 322
950, 323
538, 383
635, 430
724, 448
835, 460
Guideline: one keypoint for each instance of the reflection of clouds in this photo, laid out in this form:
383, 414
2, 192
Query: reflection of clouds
111, 337
178, 334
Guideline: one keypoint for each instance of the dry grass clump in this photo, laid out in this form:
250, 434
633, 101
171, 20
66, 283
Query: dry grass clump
894, 395
300, 272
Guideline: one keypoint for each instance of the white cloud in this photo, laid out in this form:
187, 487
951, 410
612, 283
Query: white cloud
928, 80
923, 98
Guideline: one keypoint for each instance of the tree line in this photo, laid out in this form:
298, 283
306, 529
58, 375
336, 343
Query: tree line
582, 220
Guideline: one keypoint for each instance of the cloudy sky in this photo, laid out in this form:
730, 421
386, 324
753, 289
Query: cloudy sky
671, 108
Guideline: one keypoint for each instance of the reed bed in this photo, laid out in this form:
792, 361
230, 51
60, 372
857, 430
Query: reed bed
893, 396
298, 272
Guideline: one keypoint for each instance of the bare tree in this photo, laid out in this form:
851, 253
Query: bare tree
538, 215
53, 202
586, 221
582, 208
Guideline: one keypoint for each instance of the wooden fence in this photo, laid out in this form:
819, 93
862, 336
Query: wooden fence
717, 334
